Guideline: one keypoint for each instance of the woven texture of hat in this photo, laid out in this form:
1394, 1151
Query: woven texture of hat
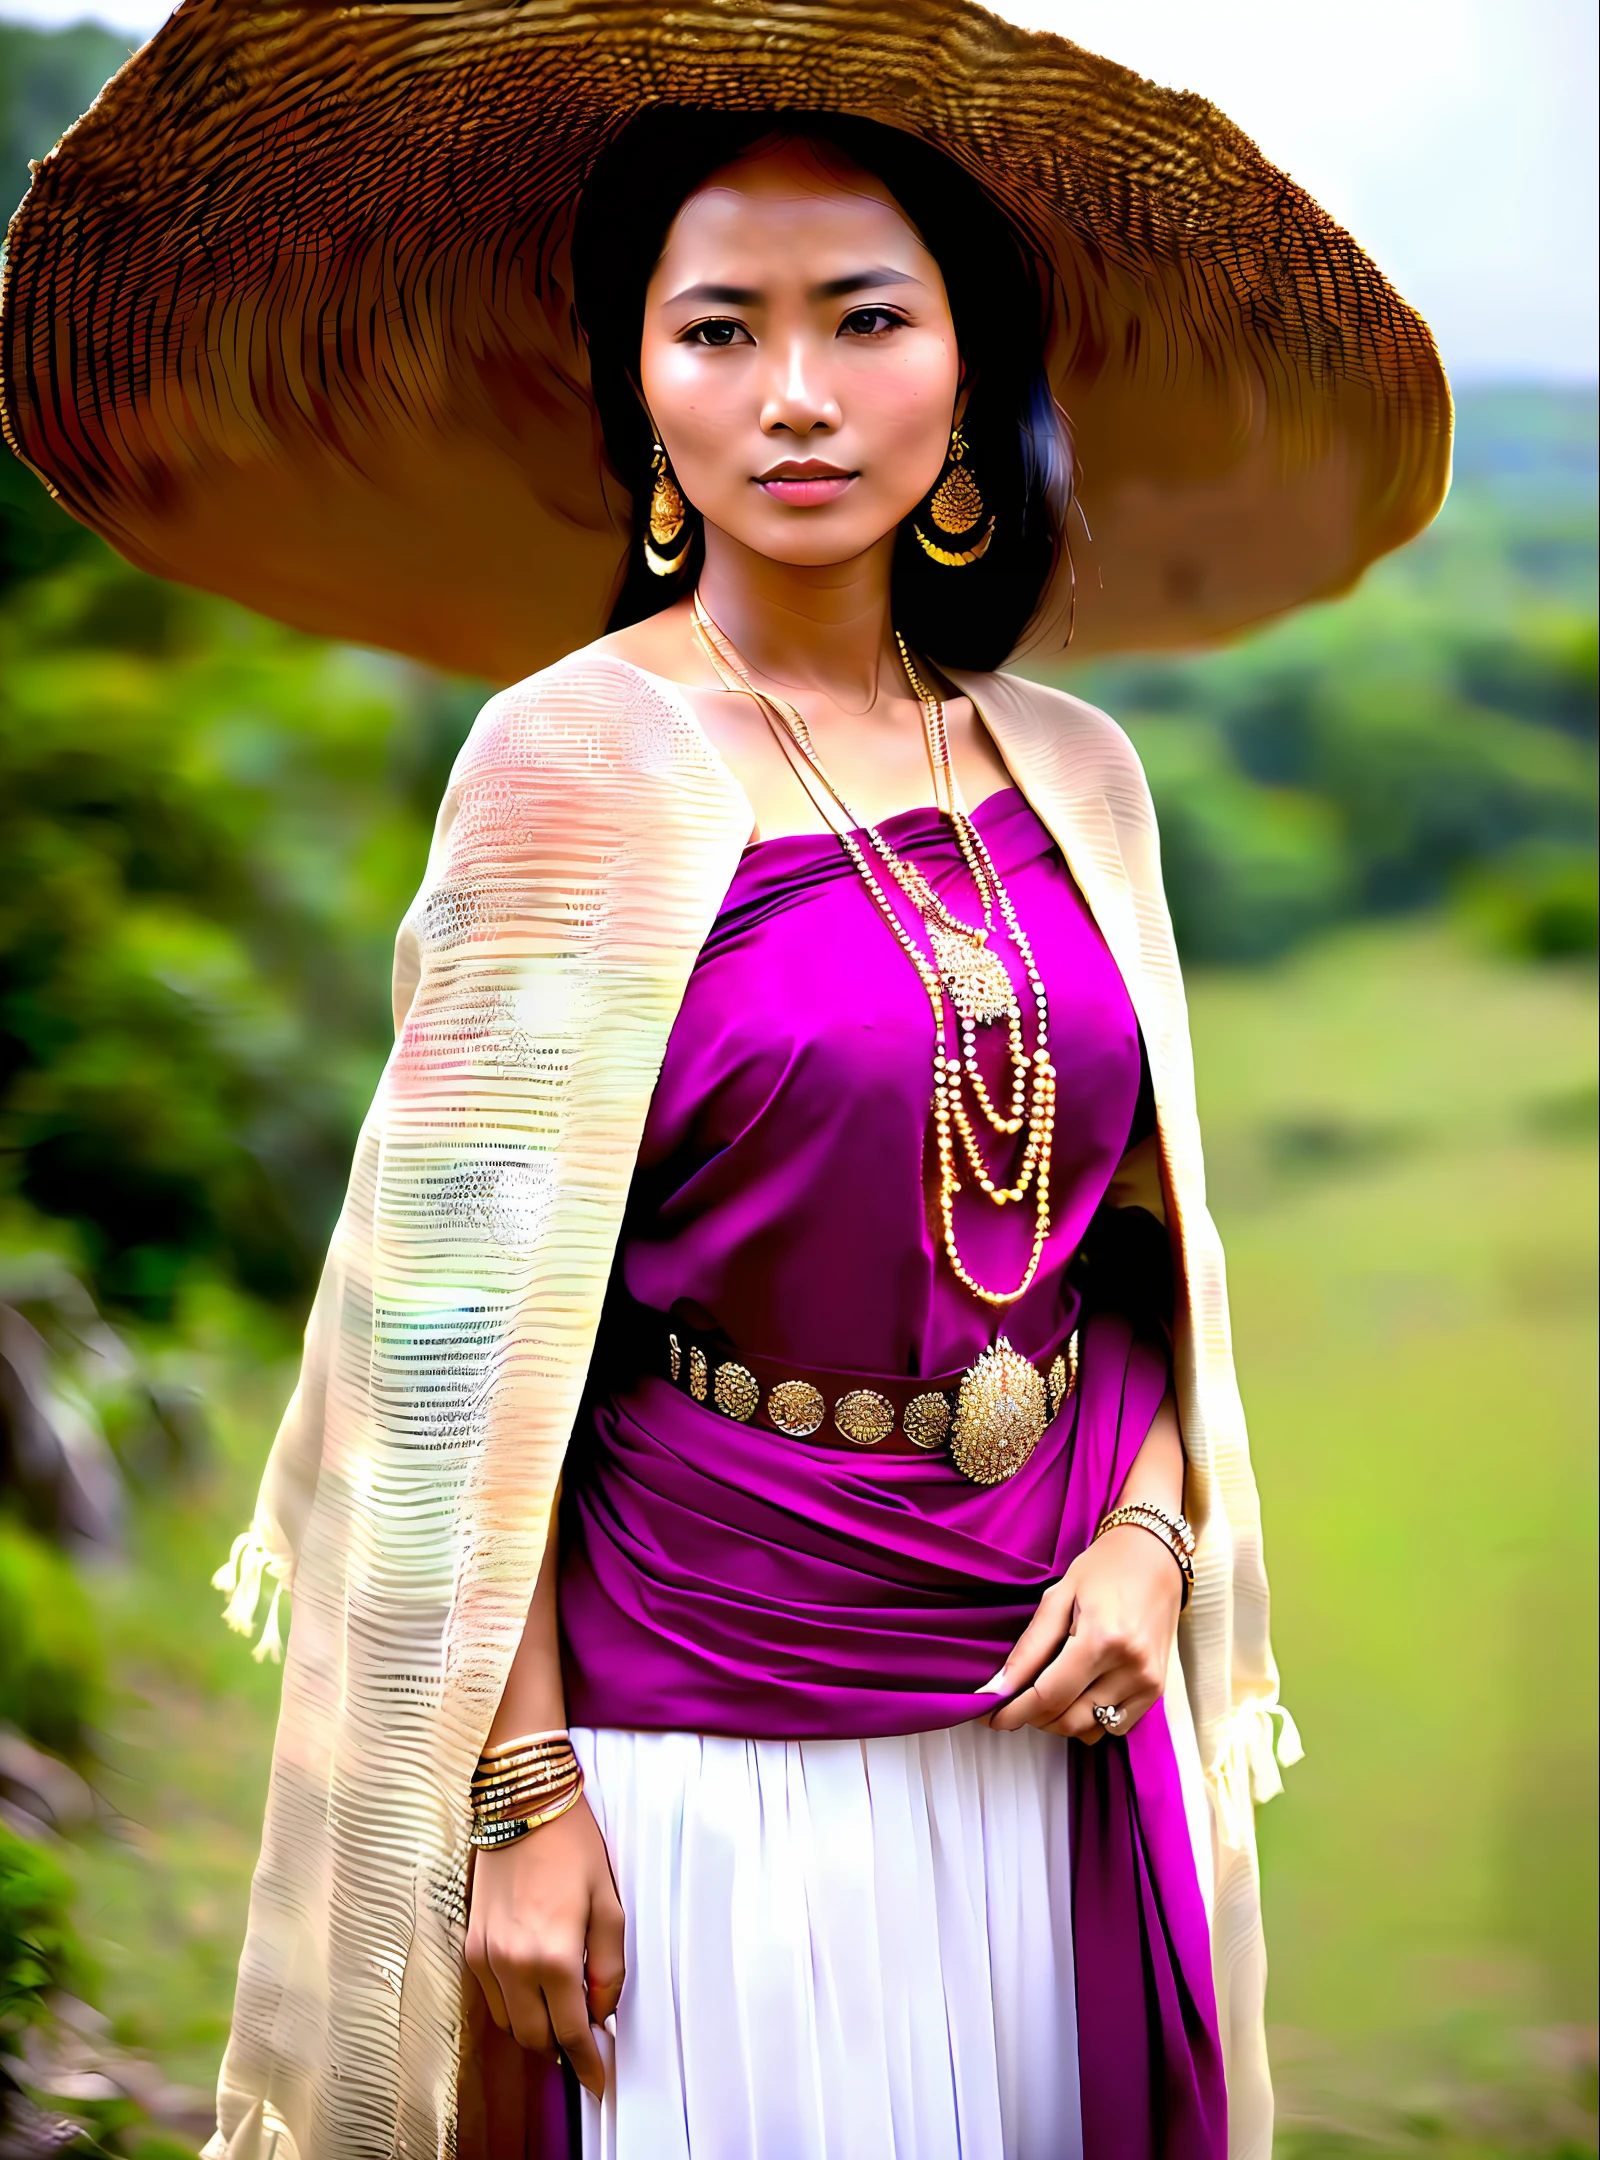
288, 314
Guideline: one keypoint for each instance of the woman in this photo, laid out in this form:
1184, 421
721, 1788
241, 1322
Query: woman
794, 1142
790, 336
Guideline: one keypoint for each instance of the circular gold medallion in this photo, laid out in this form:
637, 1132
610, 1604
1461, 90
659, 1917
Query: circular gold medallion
796, 1407
1001, 1411
925, 1420
735, 1392
864, 1417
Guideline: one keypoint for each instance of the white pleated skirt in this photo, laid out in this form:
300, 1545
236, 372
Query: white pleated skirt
839, 1949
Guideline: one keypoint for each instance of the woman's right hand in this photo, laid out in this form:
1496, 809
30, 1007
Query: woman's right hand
544, 1939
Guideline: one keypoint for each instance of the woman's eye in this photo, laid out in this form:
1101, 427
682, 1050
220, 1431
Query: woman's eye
869, 322
717, 333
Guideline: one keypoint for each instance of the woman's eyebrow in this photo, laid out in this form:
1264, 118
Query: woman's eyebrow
720, 295
862, 281
708, 295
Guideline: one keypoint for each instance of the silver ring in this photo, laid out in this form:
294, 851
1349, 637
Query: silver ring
1108, 1717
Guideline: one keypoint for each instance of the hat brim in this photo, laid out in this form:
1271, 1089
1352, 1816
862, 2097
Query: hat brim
287, 315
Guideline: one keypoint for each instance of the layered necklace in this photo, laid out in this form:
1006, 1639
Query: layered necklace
961, 972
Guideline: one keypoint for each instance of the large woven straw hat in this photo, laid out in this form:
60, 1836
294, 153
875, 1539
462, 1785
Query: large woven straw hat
288, 314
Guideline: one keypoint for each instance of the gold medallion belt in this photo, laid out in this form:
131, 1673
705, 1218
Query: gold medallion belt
988, 1418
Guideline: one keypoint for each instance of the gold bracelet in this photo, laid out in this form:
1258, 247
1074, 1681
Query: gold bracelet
520, 1784
486, 1836
495, 1826
1156, 1523
561, 1738
524, 1803
1173, 1531
523, 1787
532, 1790
526, 1758
513, 1758
1177, 1524
555, 1773
534, 1774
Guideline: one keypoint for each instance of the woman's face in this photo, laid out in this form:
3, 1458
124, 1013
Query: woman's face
798, 358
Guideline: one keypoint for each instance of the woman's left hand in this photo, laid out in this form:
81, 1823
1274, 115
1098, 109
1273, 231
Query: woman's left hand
1103, 1634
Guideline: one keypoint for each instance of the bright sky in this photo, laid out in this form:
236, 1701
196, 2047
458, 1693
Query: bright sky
1455, 138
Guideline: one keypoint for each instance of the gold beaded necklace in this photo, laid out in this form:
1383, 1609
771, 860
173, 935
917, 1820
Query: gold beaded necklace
963, 971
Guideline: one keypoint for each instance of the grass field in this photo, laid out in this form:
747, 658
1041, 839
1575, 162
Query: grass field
1401, 1137
1401, 1134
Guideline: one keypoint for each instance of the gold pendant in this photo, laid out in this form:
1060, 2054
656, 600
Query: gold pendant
1000, 1413
666, 540
957, 503
974, 976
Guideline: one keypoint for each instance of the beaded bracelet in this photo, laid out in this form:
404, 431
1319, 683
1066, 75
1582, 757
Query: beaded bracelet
1176, 1525
486, 1836
1172, 1531
551, 1769
537, 1777
520, 1785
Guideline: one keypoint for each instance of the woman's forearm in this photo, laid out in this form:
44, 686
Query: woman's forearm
545, 1931
1158, 1468
534, 1700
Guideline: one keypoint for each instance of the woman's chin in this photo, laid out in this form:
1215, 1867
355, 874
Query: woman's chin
812, 539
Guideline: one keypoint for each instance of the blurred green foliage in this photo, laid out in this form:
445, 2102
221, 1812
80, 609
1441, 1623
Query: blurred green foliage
51, 1661
210, 827
38, 1951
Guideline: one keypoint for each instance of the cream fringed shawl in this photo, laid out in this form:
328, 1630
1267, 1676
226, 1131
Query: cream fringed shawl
588, 837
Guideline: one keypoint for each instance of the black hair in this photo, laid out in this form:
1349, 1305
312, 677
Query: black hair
999, 302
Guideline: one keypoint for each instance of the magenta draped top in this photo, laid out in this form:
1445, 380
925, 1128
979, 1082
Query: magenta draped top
720, 1578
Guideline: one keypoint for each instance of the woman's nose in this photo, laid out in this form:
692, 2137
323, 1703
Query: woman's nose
798, 397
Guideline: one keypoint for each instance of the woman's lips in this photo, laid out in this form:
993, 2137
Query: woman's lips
806, 491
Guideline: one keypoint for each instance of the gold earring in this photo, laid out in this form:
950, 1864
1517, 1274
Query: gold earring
669, 520
956, 506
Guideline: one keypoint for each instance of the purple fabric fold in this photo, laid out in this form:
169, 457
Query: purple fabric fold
1149, 2053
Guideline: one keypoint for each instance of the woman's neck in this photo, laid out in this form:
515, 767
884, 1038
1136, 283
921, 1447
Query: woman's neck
824, 627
